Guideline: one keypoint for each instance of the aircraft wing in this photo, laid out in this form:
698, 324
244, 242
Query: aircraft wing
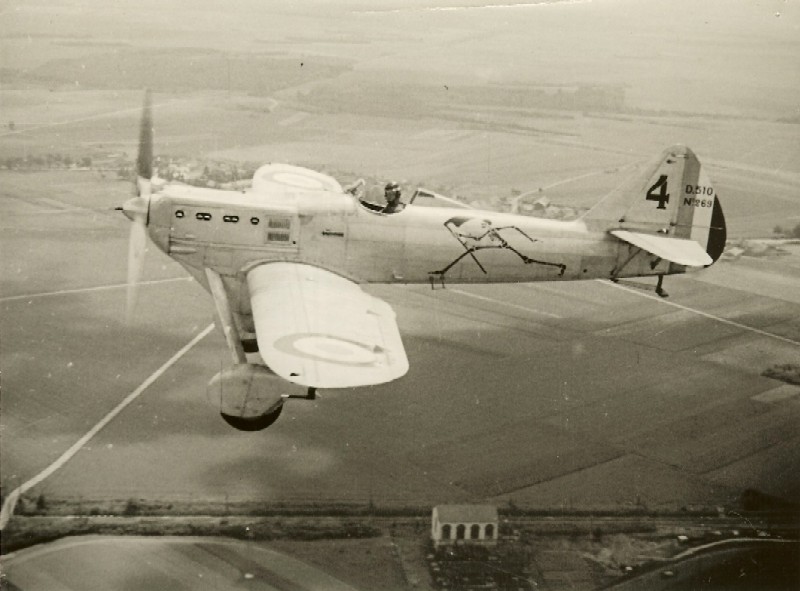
317, 329
677, 250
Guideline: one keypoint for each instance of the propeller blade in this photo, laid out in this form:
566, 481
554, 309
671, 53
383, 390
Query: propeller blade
137, 208
137, 245
144, 161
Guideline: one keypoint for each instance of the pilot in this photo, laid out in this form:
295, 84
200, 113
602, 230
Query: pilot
392, 194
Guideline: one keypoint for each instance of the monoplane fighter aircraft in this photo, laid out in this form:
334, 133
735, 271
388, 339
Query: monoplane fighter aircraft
283, 262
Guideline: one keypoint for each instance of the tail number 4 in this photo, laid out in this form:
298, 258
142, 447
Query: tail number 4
658, 192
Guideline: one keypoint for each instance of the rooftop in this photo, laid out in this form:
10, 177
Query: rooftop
466, 513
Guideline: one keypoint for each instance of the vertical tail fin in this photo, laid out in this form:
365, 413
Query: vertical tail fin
672, 197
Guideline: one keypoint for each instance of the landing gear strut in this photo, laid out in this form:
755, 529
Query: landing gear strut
659, 291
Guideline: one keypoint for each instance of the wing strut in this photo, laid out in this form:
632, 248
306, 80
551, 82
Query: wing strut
614, 278
225, 316
617, 270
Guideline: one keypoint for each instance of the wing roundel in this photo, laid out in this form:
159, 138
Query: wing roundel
321, 330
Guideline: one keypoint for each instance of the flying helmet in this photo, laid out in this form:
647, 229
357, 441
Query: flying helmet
391, 189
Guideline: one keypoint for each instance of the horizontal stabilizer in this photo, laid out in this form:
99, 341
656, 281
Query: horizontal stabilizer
676, 250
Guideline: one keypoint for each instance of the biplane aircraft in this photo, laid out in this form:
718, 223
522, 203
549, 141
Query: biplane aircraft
283, 262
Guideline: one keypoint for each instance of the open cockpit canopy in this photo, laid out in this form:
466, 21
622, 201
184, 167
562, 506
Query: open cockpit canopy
425, 198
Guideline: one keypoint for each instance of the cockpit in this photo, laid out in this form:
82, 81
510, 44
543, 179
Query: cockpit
392, 197
393, 203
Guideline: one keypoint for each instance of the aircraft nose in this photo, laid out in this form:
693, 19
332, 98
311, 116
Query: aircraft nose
133, 207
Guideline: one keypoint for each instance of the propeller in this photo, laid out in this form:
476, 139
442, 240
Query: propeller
137, 208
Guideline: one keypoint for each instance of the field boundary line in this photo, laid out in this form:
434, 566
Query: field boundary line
96, 116
701, 313
502, 303
11, 501
88, 289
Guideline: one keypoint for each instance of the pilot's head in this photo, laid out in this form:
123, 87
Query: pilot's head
392, 191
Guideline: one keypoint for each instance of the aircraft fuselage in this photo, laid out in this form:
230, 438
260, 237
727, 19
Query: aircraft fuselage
231, 232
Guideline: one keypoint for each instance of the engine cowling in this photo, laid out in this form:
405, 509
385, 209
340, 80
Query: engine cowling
249, 397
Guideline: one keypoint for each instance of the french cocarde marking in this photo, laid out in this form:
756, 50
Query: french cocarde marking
323, 347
